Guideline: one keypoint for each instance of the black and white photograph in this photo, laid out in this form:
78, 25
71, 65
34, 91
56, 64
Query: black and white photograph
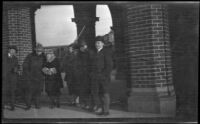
100, 61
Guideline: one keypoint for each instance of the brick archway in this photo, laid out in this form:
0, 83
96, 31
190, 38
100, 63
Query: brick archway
142, 41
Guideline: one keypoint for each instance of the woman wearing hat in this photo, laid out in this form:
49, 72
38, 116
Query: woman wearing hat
53, 81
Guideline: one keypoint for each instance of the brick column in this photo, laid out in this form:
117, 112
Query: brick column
19, 30
5, 31
33, 9
85, 15
149, 59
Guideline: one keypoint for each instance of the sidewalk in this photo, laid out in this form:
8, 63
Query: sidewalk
71, 112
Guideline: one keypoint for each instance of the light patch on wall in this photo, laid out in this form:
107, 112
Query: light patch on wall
54, 26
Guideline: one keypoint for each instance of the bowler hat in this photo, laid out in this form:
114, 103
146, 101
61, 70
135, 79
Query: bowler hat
99, 38
12, 47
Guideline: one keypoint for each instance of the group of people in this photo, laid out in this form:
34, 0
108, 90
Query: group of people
85, 72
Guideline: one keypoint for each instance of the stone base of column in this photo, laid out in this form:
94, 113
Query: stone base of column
143, 100
168, 105
146, 100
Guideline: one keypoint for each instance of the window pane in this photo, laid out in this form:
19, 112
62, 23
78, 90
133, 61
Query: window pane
54, 26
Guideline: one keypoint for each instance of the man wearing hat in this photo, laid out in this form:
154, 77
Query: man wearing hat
10, 70
102, 63
69, 71
32, 72
83, 74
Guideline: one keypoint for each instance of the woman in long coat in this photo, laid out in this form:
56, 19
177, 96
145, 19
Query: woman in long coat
53, 81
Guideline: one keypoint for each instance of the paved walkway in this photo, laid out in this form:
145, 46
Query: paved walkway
71, 112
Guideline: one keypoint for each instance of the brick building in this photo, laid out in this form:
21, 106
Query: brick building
156, 53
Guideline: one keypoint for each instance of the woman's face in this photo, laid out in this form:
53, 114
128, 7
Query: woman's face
50, 56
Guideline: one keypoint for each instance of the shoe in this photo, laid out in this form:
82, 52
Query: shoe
58, 104
12, 108
28, 108
77, 105
72, 104
37, 107
103, 113
106, 113
90, 110
87, 107
95, 108
100, 113
82, 106
51, 106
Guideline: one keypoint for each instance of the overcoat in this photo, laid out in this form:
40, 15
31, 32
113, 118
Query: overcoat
10, 77
69, 66
102, 64
32, 71
53, 82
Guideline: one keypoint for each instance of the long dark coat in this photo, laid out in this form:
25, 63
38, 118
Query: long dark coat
101, 70
83, 71
102, 63
10, 77
32, 71
53, 83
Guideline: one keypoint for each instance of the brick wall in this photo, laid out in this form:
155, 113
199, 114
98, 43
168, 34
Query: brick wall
162, 51
19, 31
4, 32
147, 47
139, 46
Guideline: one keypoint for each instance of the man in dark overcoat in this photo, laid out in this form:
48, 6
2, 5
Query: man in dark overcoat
70, 73
83, 75
102, 67
32, 72
10, 77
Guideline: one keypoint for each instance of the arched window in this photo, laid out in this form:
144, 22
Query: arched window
54, 26
103, 26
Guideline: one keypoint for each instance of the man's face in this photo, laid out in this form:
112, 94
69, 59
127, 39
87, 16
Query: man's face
70, 49
75, 52
83, 48
12, 52
99, 44
39, 51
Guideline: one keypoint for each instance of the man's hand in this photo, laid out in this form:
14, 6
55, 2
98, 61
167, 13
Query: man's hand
45, 70
53, 70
